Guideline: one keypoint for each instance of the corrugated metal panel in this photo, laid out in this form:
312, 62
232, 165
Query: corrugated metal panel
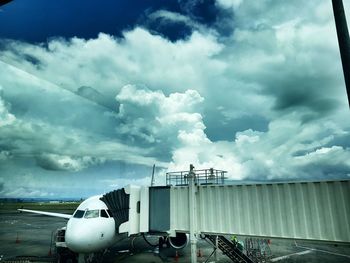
312, 210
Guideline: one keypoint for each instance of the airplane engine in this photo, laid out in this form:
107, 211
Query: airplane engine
179, 241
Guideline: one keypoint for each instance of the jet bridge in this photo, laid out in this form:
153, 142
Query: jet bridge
200, 202
298, 210
295, 210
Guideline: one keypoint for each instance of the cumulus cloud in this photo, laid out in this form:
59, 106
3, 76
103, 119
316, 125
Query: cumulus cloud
106, 63
151, 117
327, 161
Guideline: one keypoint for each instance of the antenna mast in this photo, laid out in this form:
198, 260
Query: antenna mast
152, 180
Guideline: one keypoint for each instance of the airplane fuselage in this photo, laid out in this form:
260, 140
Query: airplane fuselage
91, 228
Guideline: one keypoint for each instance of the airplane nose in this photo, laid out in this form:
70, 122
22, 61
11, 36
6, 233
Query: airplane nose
81, 237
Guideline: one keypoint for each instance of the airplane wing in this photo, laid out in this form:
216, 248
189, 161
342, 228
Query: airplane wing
46, 213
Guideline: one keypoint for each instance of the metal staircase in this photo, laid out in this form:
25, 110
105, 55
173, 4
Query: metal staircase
230, 250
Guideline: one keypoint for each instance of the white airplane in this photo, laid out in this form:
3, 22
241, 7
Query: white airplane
92, 228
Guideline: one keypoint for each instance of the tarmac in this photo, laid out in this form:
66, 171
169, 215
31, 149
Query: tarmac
24, 234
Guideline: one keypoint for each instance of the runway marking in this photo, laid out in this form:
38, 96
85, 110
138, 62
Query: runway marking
324, 251
290, 255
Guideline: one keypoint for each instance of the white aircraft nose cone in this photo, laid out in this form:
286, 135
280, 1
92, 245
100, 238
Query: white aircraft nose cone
82, 237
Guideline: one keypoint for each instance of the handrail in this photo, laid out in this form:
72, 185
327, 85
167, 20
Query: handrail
202, 176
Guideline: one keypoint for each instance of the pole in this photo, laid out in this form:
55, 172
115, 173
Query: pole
216, 245
152, 180
343, 40
193, 212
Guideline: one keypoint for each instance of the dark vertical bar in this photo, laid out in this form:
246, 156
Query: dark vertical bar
343, 40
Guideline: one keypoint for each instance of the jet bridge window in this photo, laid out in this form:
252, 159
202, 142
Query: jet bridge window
92, 214
79, 214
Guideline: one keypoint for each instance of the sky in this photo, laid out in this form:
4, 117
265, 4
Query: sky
92, 94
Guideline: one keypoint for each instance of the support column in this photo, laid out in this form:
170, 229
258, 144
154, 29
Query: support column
193, 213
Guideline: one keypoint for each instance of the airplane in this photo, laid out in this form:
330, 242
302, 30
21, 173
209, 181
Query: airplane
92, 229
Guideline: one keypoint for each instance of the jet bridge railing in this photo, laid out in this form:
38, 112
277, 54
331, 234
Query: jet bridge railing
203, 177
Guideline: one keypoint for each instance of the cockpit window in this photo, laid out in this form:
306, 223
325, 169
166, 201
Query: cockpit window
92, 214
104, 213
79, 214
109, 213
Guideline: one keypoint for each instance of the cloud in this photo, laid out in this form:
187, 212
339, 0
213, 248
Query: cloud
172, 124
326, 161
5, 155
25, 186
171, 25
280, 55
63, 162
152, 118
48, 126
288, 150
172, 16
57, 148
229, 3
25, 192
278, 154
215, 17
6, 118
97, 97
106, 64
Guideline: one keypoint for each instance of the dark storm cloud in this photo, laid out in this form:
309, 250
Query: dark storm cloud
304, 92
54, 162
293, 63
